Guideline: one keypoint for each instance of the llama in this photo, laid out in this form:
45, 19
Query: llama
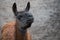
17, 30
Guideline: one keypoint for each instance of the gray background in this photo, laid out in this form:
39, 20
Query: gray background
46, 14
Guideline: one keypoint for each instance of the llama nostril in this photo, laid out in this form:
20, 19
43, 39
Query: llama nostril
29, 19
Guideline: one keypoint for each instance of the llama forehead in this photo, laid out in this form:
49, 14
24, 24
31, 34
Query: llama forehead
22, 13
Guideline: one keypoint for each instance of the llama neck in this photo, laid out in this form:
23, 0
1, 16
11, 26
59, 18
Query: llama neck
20, 33
20, 28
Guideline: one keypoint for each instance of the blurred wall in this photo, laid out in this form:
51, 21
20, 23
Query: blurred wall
46, 14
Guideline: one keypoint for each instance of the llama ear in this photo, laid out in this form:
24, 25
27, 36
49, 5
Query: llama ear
14, 8
27, 7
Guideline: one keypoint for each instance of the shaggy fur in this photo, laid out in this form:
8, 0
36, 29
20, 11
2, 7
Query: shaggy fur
10, 32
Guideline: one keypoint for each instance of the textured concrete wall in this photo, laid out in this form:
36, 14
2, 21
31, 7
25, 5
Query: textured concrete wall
46, 14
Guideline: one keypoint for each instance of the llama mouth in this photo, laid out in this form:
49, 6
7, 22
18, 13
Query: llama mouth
29, 21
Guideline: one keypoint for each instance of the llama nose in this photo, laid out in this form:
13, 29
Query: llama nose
30, 20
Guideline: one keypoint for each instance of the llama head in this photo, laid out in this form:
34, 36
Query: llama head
24, 17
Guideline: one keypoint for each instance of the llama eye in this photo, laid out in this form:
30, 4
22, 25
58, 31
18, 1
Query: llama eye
19, 17
30, 15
